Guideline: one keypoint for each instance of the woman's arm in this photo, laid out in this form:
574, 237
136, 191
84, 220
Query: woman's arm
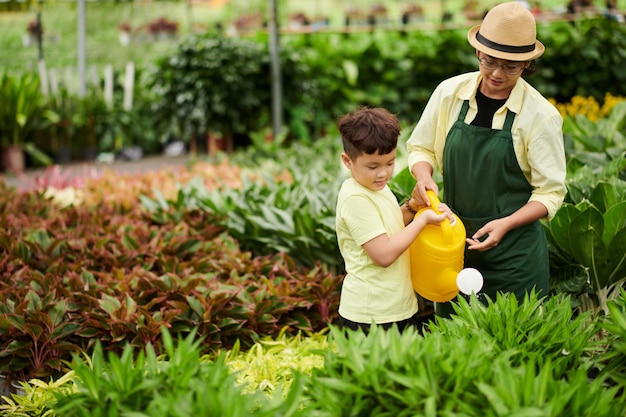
494, 231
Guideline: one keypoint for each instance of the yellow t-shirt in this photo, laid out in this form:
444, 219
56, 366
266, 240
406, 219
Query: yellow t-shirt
371, 293
537, 133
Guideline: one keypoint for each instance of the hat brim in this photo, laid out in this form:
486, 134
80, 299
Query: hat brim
511, 56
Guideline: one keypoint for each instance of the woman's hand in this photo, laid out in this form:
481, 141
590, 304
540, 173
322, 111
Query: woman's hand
490, 235
423, 172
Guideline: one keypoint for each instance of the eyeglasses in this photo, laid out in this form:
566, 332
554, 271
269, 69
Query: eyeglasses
510, 69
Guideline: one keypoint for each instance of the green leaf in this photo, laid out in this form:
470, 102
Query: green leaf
614, 221
560, 226
351, 70
57, 312
603, 196
24, 252
129, 243
109, 304
590, 251
34, 301
17, 321
617, 256
189, 247
589, 220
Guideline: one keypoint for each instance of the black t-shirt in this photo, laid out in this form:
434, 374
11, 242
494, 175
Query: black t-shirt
486, 109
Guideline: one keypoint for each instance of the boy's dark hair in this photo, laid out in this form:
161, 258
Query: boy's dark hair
369, 131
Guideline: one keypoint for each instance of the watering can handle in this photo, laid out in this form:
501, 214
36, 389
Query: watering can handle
446, 226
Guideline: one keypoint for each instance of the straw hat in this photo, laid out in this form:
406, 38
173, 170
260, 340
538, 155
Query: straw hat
508, 32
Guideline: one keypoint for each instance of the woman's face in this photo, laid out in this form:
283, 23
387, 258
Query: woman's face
499, 75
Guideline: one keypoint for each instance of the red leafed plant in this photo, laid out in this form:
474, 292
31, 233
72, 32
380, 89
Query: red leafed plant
163, 25
101, 272
36, 335
58, 178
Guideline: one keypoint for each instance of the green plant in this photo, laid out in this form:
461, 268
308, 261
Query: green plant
587, 244
213, 84
270, 365
390, 374
506, 358
595, 147
533, 328
21, 104
272, 215
21, 111
178, 383
579, 60
612, 361
300, 217
63, 110
39, 396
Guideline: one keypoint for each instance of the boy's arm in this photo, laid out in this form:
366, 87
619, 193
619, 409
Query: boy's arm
384, 249
409, 210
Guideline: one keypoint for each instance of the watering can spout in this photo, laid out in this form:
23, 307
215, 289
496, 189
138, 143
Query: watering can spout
469, 281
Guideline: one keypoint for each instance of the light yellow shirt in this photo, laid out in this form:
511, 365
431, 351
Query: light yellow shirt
371, 293
537, 133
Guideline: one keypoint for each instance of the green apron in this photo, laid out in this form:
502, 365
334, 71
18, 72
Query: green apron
482, 181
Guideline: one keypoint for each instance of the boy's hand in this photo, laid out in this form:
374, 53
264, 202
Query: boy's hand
444, 209
430, 217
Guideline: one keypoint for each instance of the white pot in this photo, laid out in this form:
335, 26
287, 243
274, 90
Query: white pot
5, 387
18, 389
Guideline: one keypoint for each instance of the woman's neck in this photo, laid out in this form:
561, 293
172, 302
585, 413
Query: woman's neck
494, 94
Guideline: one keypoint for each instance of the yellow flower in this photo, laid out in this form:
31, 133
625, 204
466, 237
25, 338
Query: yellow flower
588, 106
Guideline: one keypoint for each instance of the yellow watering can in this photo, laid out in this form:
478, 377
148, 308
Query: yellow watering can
437, 259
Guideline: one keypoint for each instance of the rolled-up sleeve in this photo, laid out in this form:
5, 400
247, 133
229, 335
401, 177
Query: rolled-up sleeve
428, 139
546, 163
421, 144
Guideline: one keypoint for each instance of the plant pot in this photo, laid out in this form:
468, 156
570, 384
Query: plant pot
5, 387
13, 159
90, 153
28, 39
18, 389
124, 38
63, 155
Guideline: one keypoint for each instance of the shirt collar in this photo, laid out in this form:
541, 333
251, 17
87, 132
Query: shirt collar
513, 103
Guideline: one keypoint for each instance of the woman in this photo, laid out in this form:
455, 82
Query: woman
499, 145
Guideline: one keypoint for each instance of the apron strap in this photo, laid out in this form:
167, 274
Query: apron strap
463, 111
508, 122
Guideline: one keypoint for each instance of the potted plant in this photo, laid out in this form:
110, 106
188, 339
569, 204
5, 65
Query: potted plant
88, 121
33, 31
21, 110
162, 28
125, 33
214, 87
62, 112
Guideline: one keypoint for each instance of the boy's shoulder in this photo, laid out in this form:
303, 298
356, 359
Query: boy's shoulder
350, 187
352, 190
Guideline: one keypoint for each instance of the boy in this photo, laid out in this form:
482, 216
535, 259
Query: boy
373, 231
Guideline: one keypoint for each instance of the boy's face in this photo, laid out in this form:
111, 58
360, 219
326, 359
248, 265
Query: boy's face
371, 171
